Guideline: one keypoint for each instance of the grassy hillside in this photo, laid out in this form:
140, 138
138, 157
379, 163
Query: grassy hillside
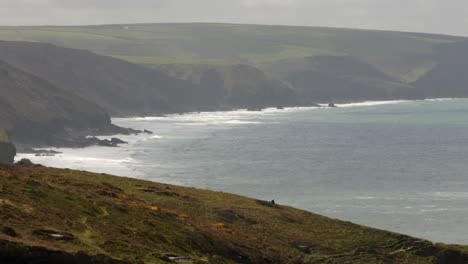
49, 213
401, 55
296, 56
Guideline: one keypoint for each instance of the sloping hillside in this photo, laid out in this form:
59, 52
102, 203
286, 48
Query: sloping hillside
49, 213
449, 78
234, 85
123, 88
34, 110
298, 56
392, 52
330, 78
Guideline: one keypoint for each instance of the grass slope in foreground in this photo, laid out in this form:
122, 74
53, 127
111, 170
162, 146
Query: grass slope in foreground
51, 214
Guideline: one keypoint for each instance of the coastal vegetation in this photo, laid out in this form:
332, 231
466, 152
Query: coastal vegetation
58, 215
60, 86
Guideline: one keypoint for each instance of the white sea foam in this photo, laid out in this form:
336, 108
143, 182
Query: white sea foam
118, 160
240, 122
442, 99
452, 195
364, 197
373, 103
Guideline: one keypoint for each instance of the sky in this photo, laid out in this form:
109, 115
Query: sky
432, 16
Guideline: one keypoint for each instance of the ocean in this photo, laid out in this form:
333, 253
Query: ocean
400, 166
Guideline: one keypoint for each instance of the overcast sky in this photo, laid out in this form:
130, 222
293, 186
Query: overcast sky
436, 16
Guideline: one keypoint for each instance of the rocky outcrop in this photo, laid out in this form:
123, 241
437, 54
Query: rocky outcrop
7, 149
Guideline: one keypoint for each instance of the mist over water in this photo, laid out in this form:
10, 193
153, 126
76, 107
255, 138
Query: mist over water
400, 166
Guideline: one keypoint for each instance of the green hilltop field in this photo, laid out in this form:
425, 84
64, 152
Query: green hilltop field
221, 44
319, 64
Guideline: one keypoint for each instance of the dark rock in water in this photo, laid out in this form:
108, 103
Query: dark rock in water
39, 152
106, 143
148, 132
117, 141
332, 105
7, 149
113, 142
280, 108
254, 109
25, 162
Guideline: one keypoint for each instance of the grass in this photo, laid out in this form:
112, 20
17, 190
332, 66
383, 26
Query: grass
144, 221
155, 44
155, 61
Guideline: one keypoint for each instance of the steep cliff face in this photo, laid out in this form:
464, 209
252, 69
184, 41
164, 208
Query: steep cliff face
341, 78
124, 89
119, 87
449, 77
233, 86
34, 111
7, 149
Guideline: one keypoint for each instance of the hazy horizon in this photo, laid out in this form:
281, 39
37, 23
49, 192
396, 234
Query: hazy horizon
408, 16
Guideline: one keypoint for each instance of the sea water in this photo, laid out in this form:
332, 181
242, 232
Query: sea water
400, 166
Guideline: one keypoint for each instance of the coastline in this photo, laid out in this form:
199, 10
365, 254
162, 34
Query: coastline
132, 132
104, 159
161, 157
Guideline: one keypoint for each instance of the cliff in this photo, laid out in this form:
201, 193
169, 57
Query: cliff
233, 86
7, 149
319, 64
34, 111
447, 79
125, 89
78, 217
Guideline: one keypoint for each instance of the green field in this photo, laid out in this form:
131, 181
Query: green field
403, 55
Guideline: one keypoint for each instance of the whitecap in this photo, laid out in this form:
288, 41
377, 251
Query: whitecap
364, 197
452, 195
373, 103
240, 122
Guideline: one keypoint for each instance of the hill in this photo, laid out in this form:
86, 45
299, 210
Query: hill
34, 111
7, 149
125, 89
227, 43
393, 65
54, 215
